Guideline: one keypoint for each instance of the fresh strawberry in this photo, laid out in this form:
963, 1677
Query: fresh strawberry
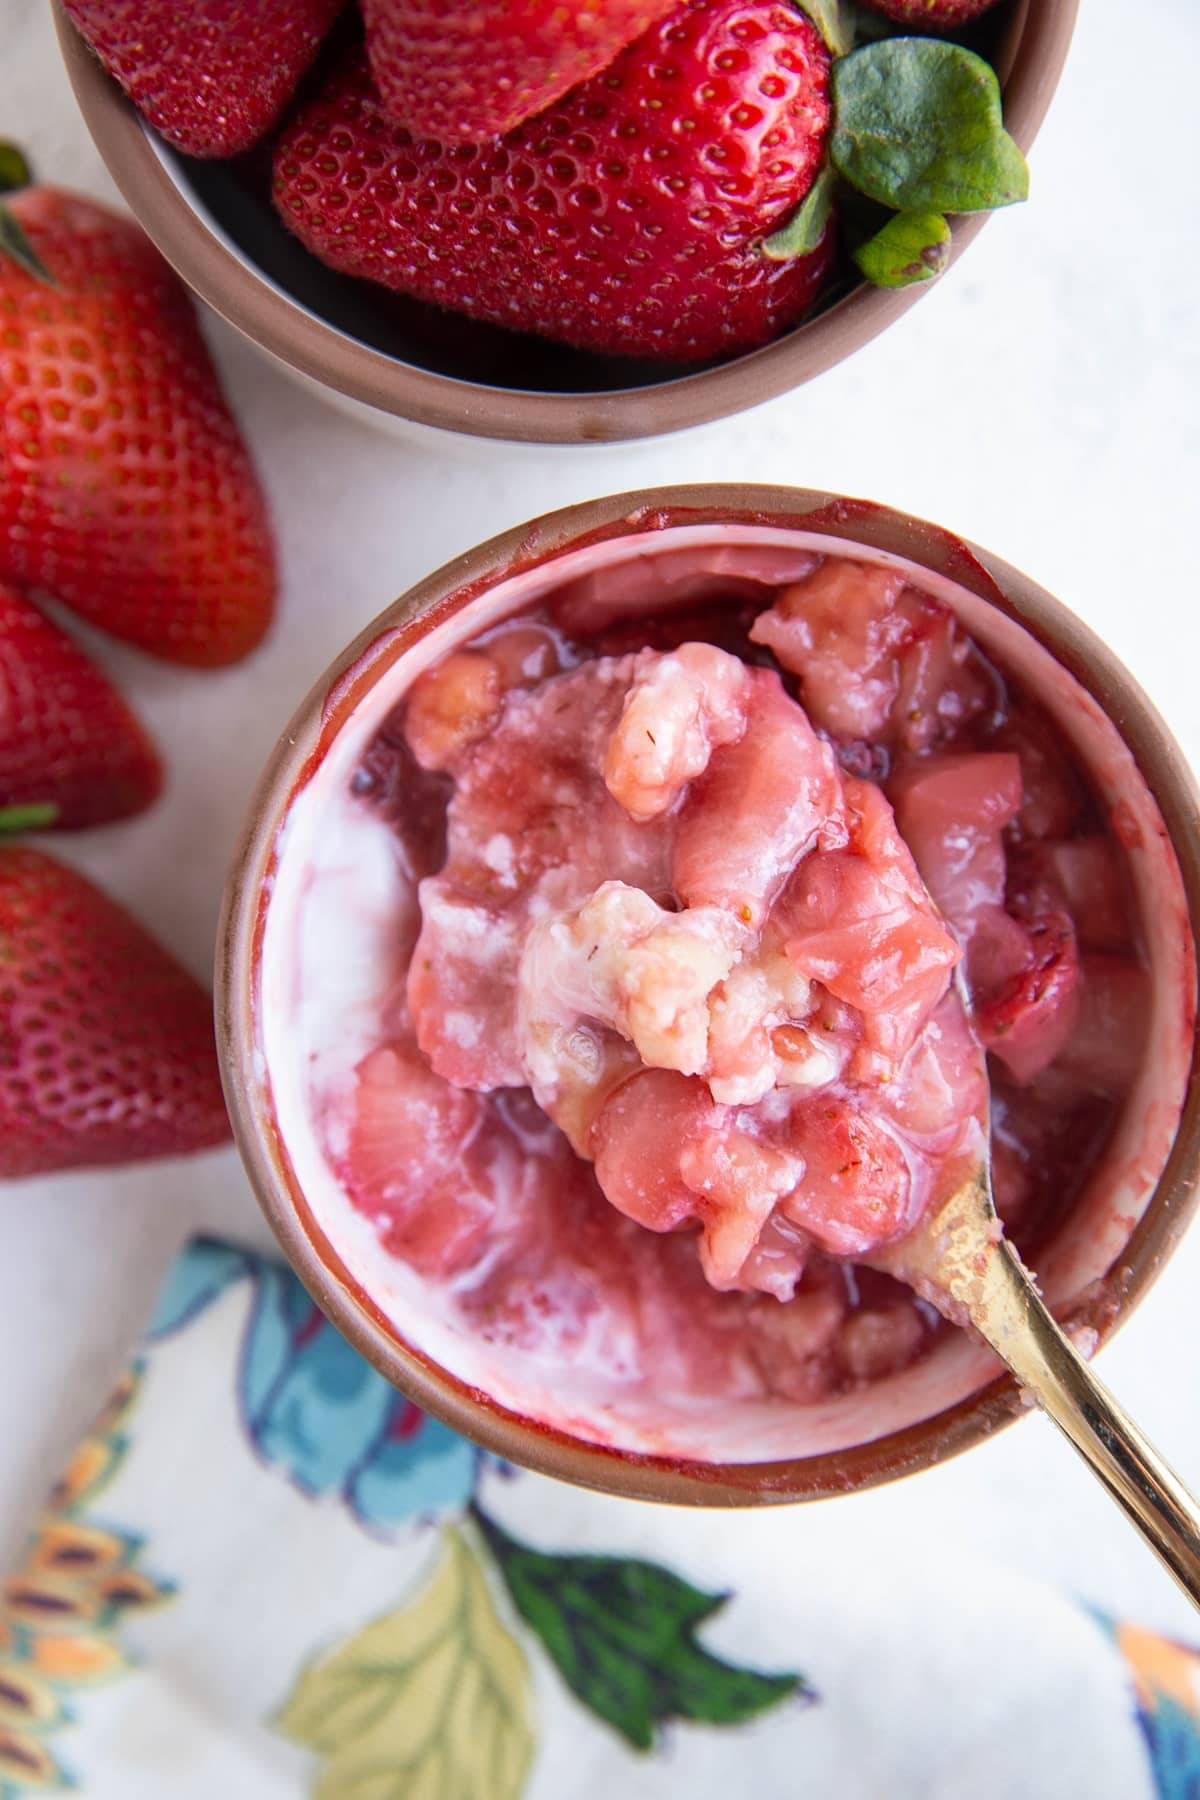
71, 752
127, 492
461, 71
212, 76
931, 15
628, 219
106, 1044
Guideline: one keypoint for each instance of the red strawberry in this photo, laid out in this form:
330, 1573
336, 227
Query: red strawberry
212, 75
126, 491
932, 15
461, 71
68, 742
628, 219
106, 1044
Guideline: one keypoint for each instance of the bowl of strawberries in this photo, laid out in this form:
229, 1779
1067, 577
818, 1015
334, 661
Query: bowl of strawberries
557, 225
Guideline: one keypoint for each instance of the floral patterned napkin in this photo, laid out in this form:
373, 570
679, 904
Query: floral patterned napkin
267, 1575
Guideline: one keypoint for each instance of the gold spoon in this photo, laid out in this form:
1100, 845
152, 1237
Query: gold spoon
958, 1258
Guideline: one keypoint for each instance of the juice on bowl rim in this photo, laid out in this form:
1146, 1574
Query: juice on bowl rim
337, 931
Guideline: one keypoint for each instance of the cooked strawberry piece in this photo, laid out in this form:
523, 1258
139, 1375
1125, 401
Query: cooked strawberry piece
878, 663
839, 631
647, 589
1083, 875
415, 1162
638, 1138
760, 806
451, 706
666, 1156
951, 811
855, 1191
880, 1341
1029, 1019
524, 654
858, 921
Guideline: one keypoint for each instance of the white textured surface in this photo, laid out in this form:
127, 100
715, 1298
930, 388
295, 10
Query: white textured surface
1040, 402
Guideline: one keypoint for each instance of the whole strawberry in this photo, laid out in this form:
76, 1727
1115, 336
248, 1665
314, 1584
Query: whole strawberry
461, 71
212, 76
106, 1043
125, 488
628, 219
931, 15
71, 752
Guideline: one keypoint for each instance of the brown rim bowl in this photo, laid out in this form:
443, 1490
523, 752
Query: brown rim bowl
214, 223
1094, 1272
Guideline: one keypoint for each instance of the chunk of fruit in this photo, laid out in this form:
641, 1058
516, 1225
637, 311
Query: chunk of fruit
858, 921
951, 811
451, 707
855, 1192
1086, 878
1030, 1018
762, 803
414, 1162
839, 631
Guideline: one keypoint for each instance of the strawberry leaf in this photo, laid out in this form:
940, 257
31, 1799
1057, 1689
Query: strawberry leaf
834, 19
14, 169
622, 1635
15, 244
806, 227
35, 817
918, 126
912, 246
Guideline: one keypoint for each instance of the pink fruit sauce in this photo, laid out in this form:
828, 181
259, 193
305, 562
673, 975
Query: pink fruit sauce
654, 1042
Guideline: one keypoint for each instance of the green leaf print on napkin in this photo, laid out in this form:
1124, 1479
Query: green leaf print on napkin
430, 1701
622, 1634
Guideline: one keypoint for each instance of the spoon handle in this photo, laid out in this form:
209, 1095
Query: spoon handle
1006, 1309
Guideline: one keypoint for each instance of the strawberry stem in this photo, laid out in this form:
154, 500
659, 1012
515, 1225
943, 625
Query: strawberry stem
34, 817
14, 168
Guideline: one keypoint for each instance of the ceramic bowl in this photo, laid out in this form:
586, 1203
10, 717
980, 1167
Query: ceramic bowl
1093, 1270
215, 224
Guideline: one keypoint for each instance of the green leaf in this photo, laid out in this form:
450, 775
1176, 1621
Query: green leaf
912, 246
806, 227
834, 19
14, 169
918, 126
622, 1634
35, 817
430, 1701
15, 244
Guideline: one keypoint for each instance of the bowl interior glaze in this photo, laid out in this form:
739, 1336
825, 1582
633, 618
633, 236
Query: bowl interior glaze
1092, 1268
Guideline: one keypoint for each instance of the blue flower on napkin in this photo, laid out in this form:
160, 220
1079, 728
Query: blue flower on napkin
310, 1404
